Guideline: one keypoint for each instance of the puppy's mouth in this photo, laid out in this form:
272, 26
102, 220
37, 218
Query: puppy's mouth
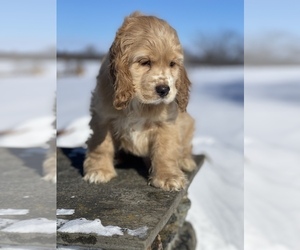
161, 93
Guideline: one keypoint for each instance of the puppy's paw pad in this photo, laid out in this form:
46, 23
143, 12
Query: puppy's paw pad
99, 176
169, 183
188, 164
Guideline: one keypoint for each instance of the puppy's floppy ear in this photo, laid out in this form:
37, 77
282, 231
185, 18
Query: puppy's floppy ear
119, 70
183, 88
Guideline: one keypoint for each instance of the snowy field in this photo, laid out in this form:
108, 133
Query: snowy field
272, 159
26, 106
270, 156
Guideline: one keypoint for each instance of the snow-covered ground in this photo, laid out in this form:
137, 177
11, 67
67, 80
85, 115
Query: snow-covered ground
272, 133
272, 160
26, 106
217, 190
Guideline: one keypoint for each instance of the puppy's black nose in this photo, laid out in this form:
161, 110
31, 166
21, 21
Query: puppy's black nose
162, 90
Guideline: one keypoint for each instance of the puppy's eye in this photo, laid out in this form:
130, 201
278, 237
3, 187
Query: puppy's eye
172, 64
145, 63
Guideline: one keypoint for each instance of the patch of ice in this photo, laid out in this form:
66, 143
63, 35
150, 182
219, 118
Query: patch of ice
65, 211
37, 225
83, 225
140, 232
10, 211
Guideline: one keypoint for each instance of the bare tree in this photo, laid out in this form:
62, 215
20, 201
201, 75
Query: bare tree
274, 47
223, 48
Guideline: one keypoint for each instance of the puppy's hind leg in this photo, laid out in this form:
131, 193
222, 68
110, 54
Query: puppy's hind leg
98, 165
186, 162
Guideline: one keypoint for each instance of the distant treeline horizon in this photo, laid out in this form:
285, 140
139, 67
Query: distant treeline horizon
223, 48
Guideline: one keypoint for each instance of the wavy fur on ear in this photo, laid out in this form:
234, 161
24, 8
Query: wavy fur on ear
183, 86
119, 69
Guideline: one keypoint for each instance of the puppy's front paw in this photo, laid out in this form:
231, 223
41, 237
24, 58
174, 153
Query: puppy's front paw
99, 176
98, 171
169, 181
188, 164
49, 167
50, 177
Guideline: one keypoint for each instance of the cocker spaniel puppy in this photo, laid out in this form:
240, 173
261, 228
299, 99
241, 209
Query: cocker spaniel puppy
139, 105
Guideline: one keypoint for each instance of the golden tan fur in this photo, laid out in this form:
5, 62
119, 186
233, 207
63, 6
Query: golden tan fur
132, 110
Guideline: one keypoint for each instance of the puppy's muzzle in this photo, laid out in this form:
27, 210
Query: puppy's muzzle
162, 90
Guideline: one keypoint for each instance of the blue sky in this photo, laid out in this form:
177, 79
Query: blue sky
27, 24
83, 22
74, 24
271, 15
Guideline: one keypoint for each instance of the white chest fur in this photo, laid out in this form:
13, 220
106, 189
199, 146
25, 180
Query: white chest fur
134, 134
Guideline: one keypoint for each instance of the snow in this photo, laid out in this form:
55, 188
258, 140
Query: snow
75, 134
83, 225
10, 211
270, 156
60, 222
73, 97
68, 248
217, 190
272, 142
36, 225
252, 149
20, 248
33, 133
63, 211
6, 222
270, 75
140, 232
26, 109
